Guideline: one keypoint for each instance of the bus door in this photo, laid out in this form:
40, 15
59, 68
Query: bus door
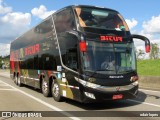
71, 87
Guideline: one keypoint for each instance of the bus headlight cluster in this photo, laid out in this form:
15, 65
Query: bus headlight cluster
88, 84
92, 85
90, 95
135, 83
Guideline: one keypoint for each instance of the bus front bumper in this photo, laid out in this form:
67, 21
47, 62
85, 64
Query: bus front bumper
110, 93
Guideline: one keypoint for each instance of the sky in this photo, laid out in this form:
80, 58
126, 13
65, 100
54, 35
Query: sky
18, 16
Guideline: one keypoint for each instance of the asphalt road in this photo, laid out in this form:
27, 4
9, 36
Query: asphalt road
26, 99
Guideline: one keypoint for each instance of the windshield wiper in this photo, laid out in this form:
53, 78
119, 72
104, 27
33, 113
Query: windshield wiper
96, 71
126, 71
103, 70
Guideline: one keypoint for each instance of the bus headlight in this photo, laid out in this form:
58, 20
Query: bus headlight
92, 85
134, 78
135, 83
88, 84
90, 95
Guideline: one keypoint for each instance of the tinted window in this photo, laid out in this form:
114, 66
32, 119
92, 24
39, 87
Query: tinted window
25, 40
30, 62
68, 47
36, 62
71, 59
44, 30
64, 21
100, 18
44, 27
23, 64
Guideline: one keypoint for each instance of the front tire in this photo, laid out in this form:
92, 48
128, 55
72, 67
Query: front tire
45, 88
56, 91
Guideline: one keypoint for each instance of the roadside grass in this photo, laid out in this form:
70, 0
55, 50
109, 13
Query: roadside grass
148, 67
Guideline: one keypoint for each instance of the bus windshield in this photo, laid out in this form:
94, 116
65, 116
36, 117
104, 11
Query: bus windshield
109, 58
100, 18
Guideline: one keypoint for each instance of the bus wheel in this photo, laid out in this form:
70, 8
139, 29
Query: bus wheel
19, 81
45, 88
56, 91
16, 80
13, 77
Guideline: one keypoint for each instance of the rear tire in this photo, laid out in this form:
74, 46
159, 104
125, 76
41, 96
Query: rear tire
15, 80
45, 87
13, 77
56, 91
19, 81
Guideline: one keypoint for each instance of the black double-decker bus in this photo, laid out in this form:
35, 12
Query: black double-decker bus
84, 53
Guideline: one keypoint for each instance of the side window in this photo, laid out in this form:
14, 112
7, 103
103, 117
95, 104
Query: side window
30, 62
44, 27
69, 52
48, 53
36, 64
43, 30
23, 64
71, 59
50, 62
27, 63
41, 62
64, 21
47, 62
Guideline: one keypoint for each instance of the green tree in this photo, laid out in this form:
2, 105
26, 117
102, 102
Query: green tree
154, 53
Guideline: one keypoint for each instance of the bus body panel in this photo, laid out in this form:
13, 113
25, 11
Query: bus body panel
50, 51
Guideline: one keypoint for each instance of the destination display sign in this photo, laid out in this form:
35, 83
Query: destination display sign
111, 38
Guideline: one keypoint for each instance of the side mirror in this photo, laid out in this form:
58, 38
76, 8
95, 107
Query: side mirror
145, 39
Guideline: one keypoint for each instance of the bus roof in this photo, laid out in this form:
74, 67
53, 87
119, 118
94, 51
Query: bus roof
94, 7
70, 6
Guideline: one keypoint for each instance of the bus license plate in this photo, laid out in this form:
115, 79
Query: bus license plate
115, 97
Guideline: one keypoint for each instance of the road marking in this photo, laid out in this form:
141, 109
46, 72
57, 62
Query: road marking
5, 75
3, 85
9, 89
44, 103
144, 103
149, 90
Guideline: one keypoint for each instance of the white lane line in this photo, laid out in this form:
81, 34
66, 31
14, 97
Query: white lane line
45, 103
151, 104
149, 90
8, 89
3, 85
7, 76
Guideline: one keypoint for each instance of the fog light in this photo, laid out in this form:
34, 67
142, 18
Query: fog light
135, 83
90, 95
134, 78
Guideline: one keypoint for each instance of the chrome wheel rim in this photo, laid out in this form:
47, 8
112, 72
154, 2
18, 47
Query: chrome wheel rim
55, 90
45, 87
18, 80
